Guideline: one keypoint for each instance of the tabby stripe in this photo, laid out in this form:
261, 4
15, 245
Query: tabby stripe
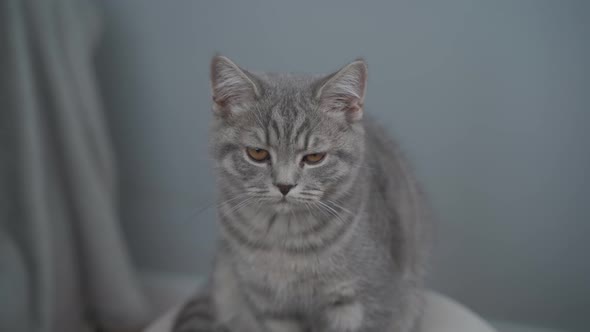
300, 130
275, 127
321, 224
345, 156
196, 316
225, 149
267, 135
307, 137
238, 235
329, 232
324, 242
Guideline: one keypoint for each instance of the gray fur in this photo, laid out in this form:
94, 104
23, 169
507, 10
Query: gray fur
346, 251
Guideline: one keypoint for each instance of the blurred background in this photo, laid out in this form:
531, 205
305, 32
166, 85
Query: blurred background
490, 99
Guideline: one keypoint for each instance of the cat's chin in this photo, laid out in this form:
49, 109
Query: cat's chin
286, 206
283, 206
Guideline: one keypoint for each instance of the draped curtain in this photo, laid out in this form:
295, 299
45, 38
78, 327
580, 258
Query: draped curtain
63, 261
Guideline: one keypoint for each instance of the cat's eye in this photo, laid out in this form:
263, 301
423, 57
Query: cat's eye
313, 158
258, 155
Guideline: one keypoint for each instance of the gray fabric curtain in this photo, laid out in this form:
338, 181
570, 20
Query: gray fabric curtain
63, 263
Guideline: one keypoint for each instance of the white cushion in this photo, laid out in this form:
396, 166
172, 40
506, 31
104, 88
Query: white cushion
442, 315
511, 327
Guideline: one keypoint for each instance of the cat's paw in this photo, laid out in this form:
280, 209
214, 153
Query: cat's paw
345, 316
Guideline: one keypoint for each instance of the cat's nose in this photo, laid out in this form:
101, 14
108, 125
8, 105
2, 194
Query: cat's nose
285, 188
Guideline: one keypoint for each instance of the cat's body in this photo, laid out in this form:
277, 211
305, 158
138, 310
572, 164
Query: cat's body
343, 248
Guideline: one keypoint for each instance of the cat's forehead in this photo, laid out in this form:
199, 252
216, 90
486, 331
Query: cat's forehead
299, 81
287, 113
288, 125
287, 96
284, 88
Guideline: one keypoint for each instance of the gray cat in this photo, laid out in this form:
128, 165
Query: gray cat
323, 227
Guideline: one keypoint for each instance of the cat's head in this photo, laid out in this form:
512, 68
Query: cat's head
285, 142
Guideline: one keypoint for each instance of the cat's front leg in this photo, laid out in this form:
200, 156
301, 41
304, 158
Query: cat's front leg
355, 316
342, 309
272, 317
344, 315
346, 310
233, 311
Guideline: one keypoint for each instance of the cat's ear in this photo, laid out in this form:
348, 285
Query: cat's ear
233, 88
343, 92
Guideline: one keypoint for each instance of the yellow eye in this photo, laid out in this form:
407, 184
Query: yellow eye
258, 155
313, 158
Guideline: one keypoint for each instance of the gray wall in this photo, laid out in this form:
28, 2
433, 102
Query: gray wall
490, 98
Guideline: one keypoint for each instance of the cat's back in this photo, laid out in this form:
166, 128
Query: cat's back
397, 207
388, 169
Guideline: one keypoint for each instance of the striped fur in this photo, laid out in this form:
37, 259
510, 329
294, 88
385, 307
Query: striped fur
344, 250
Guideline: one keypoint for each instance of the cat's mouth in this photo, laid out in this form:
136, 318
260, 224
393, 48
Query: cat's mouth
285, 204
284, 201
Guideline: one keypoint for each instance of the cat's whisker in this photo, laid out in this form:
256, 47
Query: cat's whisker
309, 194
320, 208
245, 205
308, 208
197, 211
301, 199
339, 206
333, 212
238, 196
256, 190
240, 205
264, 197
